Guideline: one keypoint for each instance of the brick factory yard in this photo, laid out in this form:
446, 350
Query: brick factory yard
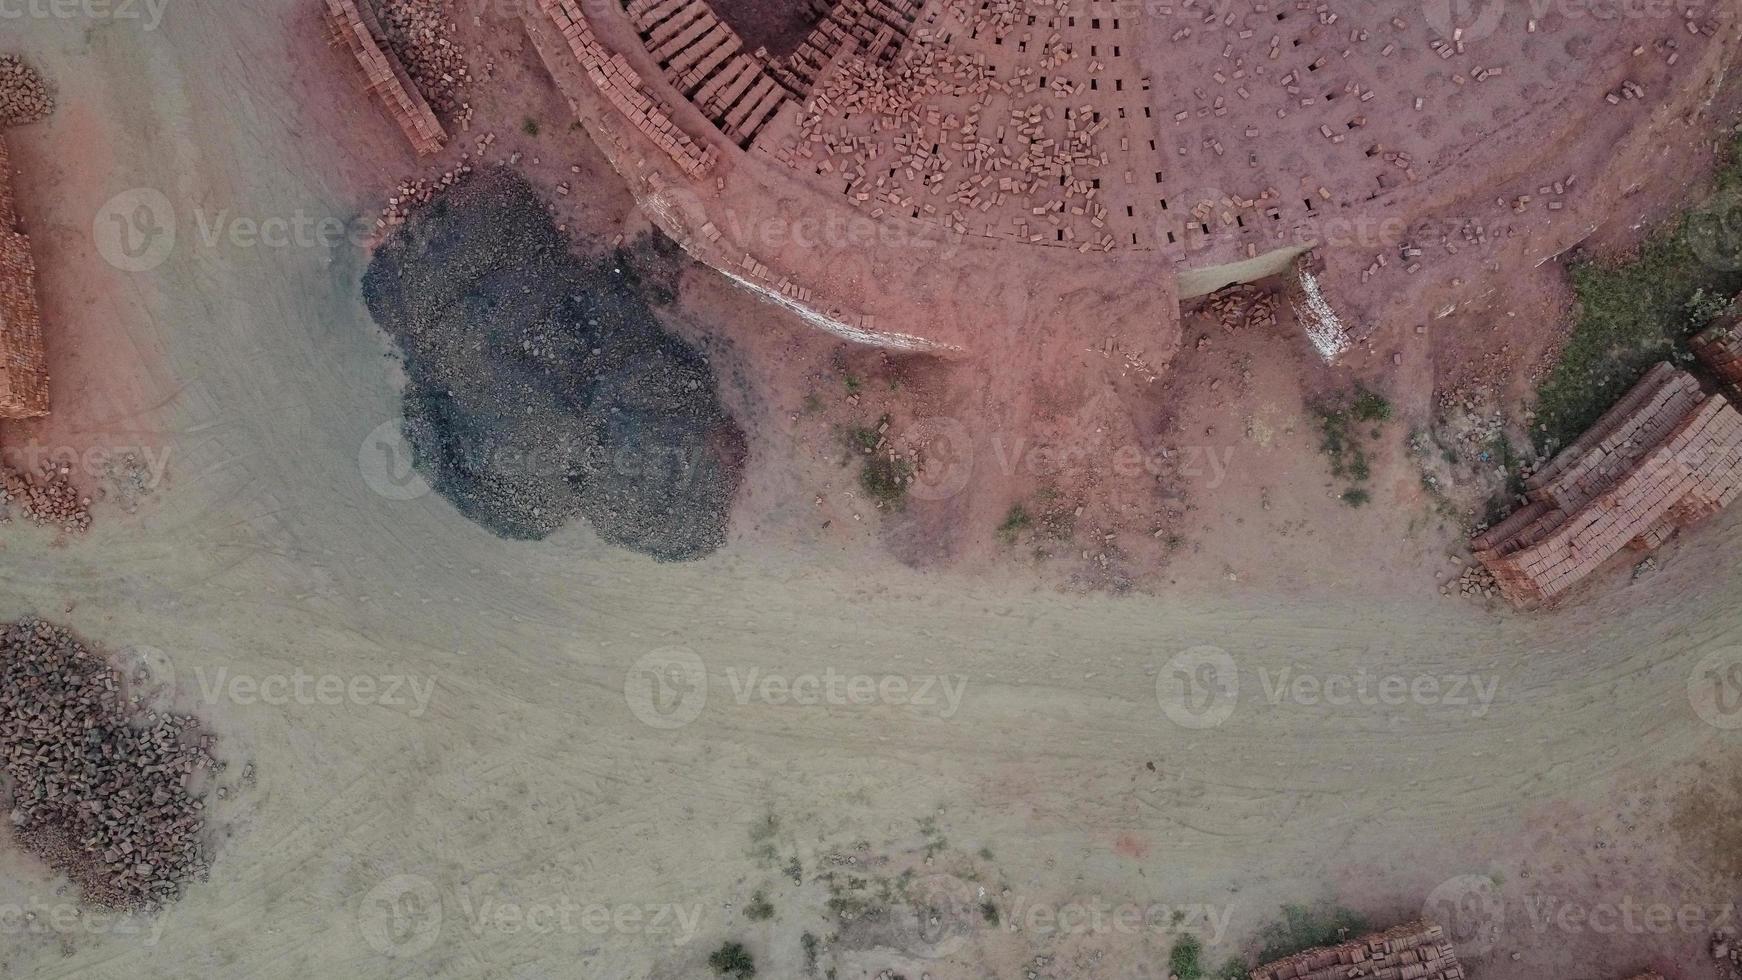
1069, 481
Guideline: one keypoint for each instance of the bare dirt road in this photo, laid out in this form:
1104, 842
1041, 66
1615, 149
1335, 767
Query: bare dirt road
456, 738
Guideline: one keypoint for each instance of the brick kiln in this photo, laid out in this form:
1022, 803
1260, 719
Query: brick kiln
1416, 951
1663, 457
23, 370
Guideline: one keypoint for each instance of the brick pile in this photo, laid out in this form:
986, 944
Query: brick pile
1663, 458
354, 26
103, 791
1417, 951
623, 87
23, 96
23, 367
1719, 347
421, 36
703, 58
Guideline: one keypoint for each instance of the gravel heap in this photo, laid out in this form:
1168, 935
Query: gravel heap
99, 790
23, 96
541, 387
51, 499
421, 36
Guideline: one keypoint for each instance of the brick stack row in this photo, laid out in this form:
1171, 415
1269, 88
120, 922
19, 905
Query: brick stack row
1665, 457
23, 366
1719, 347
696, 49
355, 27
622, 86
1417, 951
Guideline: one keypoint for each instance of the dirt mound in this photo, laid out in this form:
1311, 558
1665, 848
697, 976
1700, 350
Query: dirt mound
540, 386
99, 789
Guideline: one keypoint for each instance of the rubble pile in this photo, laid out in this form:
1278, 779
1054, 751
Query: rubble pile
99, 790
415, 193
23, 96
421, 35
1242, 306
50, 499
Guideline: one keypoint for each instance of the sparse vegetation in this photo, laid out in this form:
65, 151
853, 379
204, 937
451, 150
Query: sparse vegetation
733, 960
1015, 522
1639, 310
811, 946
886, 479
760, 908
529, 126
1304, 928
989, 912
1346, 423
1185, 962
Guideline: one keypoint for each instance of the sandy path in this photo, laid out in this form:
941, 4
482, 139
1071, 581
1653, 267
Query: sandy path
528, 777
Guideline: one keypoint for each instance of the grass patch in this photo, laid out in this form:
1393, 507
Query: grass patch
529, 126
1186, 960
1638, 311
1303, 928
1346, 424
1015, 522
989, 912
733, 960
886, 479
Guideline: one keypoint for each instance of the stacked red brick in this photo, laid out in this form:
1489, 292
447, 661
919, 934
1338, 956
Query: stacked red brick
622, 86
1719, 347
1662, 458
1417, 951
704, 58
23, 368
354, 25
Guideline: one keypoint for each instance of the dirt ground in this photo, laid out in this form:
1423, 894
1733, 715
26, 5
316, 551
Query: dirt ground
531, 758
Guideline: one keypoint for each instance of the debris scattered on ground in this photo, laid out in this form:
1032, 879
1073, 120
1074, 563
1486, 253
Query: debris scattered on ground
23, 96
49, 498
1243, 306
104, 792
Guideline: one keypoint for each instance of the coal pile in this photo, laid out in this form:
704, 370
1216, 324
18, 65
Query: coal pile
101, 791
541, 387
23, 96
